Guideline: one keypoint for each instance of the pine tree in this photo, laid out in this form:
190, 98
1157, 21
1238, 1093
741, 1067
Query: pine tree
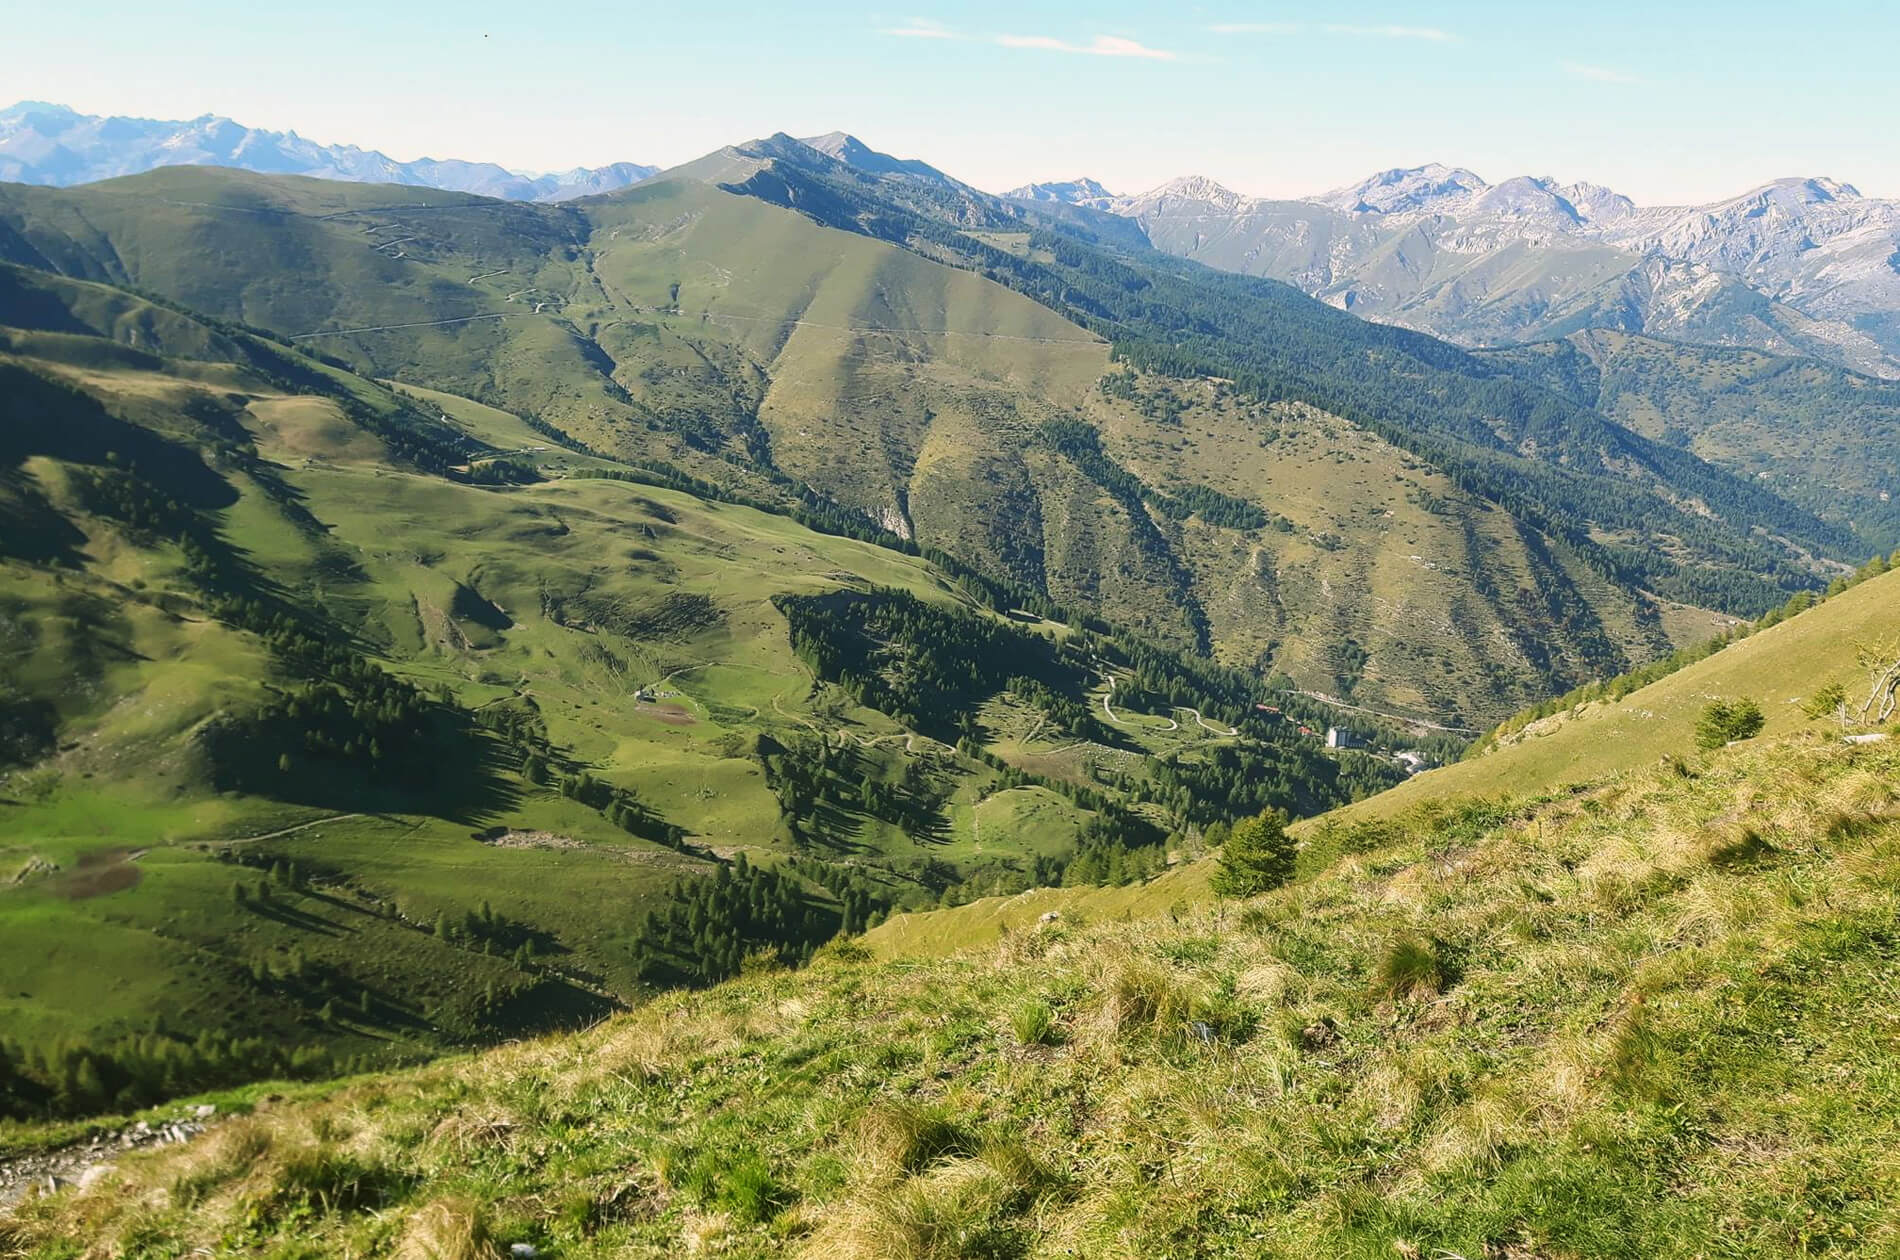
87, 1085
1725, 721
1257, 857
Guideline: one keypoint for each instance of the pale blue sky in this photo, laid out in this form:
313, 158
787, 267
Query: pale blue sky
1667, 100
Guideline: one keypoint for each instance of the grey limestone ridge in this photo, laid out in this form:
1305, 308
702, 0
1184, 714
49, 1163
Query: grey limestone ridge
52, 144
1797, 266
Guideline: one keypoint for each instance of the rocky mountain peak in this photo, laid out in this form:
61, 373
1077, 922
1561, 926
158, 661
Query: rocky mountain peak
42, 143
1405, 189
1197, 190
1081, 191
847, 148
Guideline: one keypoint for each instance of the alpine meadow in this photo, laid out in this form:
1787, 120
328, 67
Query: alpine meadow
767, 701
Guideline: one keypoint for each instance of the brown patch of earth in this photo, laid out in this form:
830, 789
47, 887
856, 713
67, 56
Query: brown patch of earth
98, 873
671, 714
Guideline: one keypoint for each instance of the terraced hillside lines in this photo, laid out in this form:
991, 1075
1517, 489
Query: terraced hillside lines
1780, 667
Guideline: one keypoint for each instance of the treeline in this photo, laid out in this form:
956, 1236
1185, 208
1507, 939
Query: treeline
1229, 782
925, 665
501, 472
1213, 507
1082, 443
620, 806
518, 724
333, 704
1064, 712
133, 1072
1471, 420
1612, 689
810, 777
863, 902
1114, 823
710, 925
1159, 405
932, 666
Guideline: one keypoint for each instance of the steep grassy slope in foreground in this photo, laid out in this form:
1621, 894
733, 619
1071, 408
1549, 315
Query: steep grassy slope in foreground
1652, 1019
1780, 668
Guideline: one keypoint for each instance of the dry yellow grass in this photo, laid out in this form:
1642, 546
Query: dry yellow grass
1569, 1028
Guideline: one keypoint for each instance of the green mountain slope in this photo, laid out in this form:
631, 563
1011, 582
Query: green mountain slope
885, 362
1781, 667
373, 721
1822, 436
1648, 1019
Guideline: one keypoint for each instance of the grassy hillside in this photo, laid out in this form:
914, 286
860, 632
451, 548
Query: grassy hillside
1649, 1019
865, 345
1589, 741
1780, 668
1822, 436
342, 723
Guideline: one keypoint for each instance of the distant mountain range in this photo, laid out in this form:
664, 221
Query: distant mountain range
52, 144
1802, 266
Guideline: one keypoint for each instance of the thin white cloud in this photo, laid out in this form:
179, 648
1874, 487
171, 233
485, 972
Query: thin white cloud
920, 28
1429, 33
1598, 74
1100, 46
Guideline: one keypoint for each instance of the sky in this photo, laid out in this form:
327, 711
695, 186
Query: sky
1668, 101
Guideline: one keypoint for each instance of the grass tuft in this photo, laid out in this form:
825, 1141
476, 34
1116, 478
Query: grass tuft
1034, 1024
327, 1179
1412, 967
901, 1138
448, 1229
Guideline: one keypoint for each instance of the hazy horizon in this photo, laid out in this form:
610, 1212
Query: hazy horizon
1268, 102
